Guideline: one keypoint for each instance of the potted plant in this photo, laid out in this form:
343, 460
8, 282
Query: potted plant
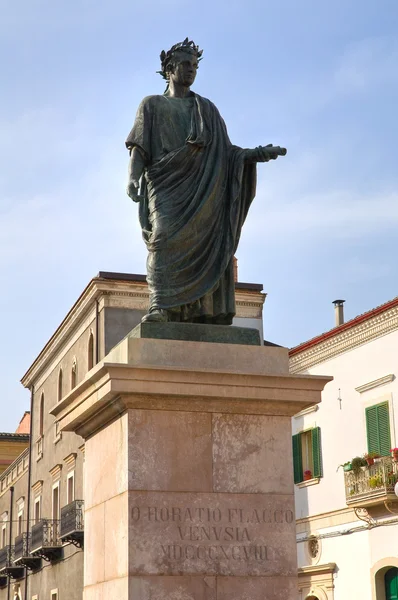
375, 481
307, 475
357, 463
394, 454
370, 457
346, 466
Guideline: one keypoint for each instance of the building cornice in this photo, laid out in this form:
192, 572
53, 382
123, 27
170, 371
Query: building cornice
317, 569
375, 383
118, 293
344, 340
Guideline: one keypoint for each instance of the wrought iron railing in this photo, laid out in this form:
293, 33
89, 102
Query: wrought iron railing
45, 534
370, 482
72, 518
22, 545
6, 557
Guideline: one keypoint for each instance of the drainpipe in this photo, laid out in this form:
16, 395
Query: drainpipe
32, 389
10, 536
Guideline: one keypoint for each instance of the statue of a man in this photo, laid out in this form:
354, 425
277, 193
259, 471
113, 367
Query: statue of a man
194, 190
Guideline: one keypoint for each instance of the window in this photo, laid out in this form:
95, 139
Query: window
55, 501
60, 385
307, 459
54, 594
71, 487
378, 429
90, 352
35, 597
73, 375
21, 507
41, 416
37, 510
3, 535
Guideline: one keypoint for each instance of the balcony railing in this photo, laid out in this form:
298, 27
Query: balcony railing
6, 557
22, 555
7, 566
45, 539
72, 522
372, 485
20, 546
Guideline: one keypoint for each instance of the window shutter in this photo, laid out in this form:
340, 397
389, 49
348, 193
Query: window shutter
297, 461
372, 431
378, 429
316, 452
384, 429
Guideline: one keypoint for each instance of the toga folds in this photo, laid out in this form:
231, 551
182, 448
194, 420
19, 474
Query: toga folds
197, 191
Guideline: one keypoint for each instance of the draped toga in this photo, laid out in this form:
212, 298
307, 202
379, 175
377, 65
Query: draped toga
197, 190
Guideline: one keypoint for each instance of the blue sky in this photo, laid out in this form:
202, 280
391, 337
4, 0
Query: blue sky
320, 78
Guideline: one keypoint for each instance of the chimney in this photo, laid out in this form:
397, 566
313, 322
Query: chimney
338, 312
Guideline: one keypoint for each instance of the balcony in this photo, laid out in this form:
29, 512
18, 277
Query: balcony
72, 523
373, 485
22, 556
45, 541
7, 566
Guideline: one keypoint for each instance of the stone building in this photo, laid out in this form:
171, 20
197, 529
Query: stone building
346, 509
41, 491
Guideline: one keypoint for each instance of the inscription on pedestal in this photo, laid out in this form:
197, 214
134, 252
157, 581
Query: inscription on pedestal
238, 534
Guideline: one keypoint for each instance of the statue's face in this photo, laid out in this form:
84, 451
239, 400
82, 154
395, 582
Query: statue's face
185, 67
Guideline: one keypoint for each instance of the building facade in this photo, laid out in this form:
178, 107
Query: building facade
346, 508
41, 491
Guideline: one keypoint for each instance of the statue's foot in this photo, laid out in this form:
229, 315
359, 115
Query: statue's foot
157, 315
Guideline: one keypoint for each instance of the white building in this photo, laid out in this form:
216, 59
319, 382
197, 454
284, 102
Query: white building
347, 522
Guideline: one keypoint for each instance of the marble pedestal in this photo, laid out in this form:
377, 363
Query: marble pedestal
188, 471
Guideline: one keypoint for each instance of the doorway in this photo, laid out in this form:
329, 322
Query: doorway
391, 584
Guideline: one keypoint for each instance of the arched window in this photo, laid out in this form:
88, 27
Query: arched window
73, 374
60, 385
41, 415
90, 351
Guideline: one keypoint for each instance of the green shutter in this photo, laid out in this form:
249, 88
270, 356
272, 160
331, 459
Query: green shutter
391, 584
297, 463
378, 429
384, 429
316, 452
372, 431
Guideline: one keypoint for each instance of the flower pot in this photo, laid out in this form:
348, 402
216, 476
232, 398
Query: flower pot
395, 456
349, 467
307, 476
370, 461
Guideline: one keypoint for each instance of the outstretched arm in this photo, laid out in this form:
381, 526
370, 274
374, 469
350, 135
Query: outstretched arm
135, 171
264, 153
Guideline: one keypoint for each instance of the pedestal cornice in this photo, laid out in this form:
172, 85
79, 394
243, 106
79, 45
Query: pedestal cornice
135, 381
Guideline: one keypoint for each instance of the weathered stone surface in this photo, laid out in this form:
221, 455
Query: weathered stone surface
170, 450
106, 462
211, 534
247, 451
116, 537
257, 588
197, 332
173, 588
94, 555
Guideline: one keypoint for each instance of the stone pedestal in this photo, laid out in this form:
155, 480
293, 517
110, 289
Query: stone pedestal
188, 471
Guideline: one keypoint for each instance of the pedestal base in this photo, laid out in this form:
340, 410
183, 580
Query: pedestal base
188, 472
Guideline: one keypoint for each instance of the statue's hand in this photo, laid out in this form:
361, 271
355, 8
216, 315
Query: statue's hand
264, 153
132, 190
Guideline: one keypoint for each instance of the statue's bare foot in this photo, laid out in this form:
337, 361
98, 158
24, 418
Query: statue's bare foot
157, 315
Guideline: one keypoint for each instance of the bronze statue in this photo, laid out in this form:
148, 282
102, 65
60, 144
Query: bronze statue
194, 189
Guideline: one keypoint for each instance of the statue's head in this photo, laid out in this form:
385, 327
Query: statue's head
181, 62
